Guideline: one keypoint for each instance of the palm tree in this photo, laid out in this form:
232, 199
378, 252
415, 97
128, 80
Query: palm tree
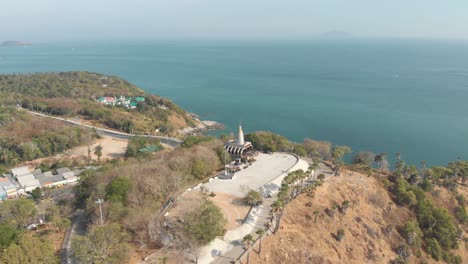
247, 240
316, 214
277, 210
314, 167
260, 233
98, 152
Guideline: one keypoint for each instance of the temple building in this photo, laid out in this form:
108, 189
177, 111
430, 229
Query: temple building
239, 147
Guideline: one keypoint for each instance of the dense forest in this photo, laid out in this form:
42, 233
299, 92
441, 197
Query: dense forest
73, 94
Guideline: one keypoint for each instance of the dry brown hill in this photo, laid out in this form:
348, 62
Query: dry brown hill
370, 226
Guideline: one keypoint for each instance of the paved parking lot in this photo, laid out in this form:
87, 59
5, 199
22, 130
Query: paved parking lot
266, 168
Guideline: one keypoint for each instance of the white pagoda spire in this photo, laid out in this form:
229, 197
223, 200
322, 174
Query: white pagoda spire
240, 138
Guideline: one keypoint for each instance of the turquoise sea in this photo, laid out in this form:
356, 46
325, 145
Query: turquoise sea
382, 96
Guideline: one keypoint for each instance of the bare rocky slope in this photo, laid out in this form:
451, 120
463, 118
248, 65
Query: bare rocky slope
370, 226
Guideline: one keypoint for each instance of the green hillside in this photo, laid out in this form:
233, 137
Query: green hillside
76, 94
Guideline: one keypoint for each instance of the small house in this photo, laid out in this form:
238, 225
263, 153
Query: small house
8, 186
68, 175
28, 182
20, 171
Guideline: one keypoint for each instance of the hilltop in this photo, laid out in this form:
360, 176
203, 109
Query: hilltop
372, 225
81, 95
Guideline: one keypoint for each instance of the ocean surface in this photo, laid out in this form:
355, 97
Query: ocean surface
381, 96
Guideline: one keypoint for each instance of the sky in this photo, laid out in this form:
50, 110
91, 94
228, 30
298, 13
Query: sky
45, 20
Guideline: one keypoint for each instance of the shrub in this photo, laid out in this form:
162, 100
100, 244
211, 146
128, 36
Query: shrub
253, 198
461, 215
411, 233
403, 193
433, 248
426, 185
340, 235
193, 140
403, 251
204, 223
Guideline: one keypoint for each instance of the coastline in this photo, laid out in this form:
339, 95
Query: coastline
202, 127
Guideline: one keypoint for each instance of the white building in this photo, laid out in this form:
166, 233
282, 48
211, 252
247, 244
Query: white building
238, 147
28, 182
68, 175
19, 171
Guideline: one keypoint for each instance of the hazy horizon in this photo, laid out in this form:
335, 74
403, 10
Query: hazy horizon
53, 20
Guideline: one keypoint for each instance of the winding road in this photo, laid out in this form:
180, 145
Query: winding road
172, 142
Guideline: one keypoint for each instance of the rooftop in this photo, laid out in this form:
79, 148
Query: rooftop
20, 171
63, 170
28, 181
6, 184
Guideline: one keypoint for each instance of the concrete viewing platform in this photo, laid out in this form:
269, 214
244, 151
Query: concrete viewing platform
265, 169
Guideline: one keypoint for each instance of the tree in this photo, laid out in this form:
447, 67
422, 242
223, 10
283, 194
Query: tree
337, 156
313, 168
118, 188
318, 149
321, 177
199, 169
29, 249
364, 158
412, 233
36, 194
253, 198
260, 233
299, 150
277, 207
9, 235
103, 244
98, 151
247, 240
379, 159
316, 214
204, 223
19, 212
433, 248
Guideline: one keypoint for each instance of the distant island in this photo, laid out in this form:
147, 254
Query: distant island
15, 43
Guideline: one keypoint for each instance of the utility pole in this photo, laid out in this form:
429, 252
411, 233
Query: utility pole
100, 201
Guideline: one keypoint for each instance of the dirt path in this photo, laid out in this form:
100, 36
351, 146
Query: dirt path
111, 148
233, 208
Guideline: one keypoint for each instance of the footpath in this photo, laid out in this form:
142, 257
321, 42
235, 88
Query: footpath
229, 248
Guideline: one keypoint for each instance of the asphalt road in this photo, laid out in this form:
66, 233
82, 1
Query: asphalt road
172, 142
